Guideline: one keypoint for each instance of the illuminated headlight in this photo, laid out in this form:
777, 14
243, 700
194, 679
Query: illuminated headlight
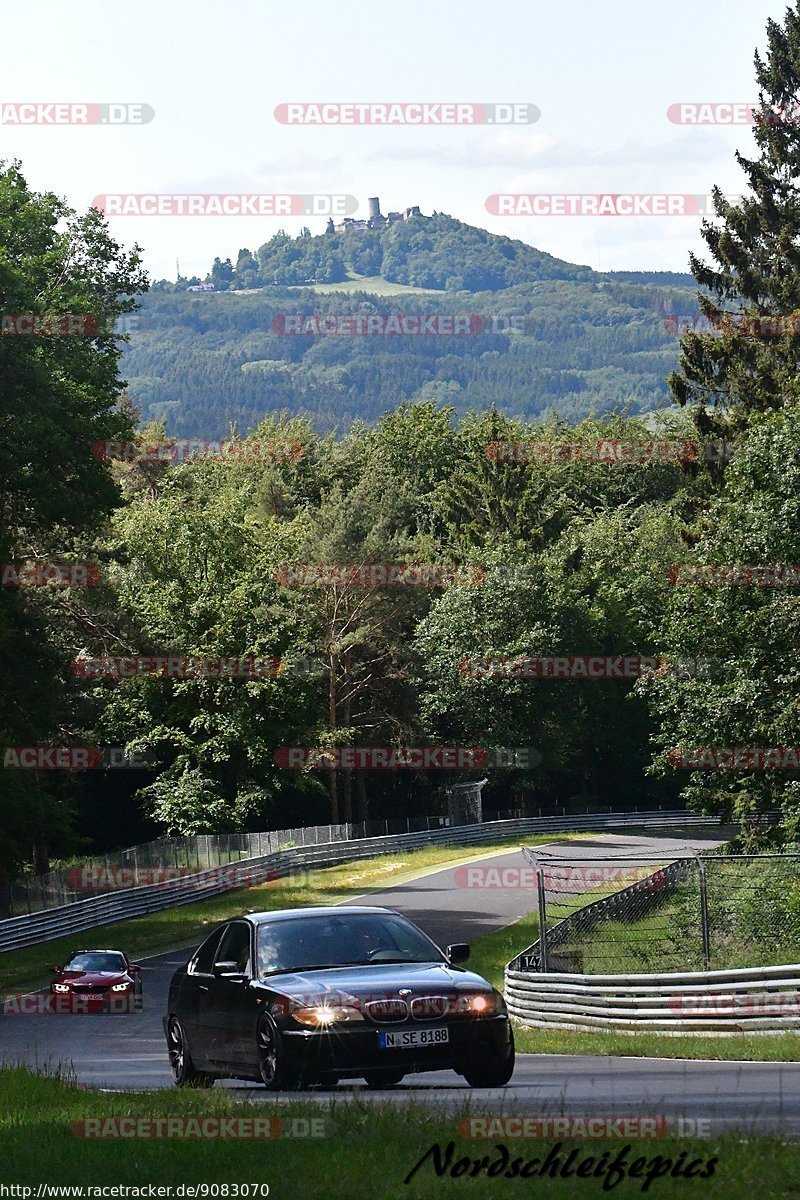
60, 987
324, 1015
120, 987
485, 1004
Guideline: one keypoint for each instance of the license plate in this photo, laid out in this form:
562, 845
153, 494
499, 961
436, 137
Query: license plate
413, 1037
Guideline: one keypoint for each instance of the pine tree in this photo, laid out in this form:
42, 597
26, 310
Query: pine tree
750, 365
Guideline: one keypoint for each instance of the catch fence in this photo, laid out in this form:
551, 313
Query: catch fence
691, 912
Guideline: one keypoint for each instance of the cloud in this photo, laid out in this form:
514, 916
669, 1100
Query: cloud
516, 150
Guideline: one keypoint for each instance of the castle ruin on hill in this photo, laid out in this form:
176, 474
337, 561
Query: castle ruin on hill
375, 220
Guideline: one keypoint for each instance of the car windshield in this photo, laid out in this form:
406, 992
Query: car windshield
97, 961
341, 940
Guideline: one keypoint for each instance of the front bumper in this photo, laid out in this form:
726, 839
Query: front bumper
352, 1050
76, 1003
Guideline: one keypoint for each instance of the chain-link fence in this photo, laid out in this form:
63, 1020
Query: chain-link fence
644, 914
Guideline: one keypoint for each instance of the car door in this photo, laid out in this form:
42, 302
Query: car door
193, 1000
230, 1003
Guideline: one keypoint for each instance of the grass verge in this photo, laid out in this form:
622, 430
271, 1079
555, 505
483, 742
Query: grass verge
367, 1155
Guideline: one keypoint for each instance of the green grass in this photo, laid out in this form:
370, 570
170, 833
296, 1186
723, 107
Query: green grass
185, 925
376, 285
367, 1155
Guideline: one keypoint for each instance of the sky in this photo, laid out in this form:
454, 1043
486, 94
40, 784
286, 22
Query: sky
602, 76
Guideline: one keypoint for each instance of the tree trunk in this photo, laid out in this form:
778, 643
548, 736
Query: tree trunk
332, 718
363, 802
5, 894
41, 861
334, 792
348, 774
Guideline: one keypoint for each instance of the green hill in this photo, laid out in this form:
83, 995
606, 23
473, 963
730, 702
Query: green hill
555, 336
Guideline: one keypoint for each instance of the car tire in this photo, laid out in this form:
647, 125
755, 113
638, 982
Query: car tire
184, 1072
379, 1080
272, 1068
494, 1073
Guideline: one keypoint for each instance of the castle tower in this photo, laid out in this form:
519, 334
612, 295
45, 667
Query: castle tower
374, 205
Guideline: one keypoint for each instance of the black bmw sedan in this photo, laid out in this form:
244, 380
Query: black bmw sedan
313, 995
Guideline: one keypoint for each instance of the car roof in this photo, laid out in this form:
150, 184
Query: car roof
97, 950
324, 910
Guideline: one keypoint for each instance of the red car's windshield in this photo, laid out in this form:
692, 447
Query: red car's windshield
97, 962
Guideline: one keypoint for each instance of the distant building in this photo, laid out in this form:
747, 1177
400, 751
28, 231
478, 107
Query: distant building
375, 220
202, 287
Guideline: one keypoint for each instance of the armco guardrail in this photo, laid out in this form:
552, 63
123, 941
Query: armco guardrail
16, 932
752, 1000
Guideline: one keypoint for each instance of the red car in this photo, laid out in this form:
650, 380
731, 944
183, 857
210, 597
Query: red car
97, 981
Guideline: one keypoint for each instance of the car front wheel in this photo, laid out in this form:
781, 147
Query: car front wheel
184, 1072
275, 1074
493, 1073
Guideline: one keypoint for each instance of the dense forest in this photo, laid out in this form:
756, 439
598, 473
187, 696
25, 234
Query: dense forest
576, 343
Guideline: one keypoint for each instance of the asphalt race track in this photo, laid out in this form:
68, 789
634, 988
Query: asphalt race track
127, 1052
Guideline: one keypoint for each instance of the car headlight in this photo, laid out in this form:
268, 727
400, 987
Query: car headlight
327, 1014
484, 1004
60, 987
120, 987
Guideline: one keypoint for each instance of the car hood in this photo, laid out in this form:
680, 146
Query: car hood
421, 978
93, 978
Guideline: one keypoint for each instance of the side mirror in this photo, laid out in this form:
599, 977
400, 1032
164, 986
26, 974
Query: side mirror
55, 969
227, 969
457, 953
134, 967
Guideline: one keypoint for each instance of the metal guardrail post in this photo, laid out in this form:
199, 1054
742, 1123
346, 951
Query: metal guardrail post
542, 920
704, 915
